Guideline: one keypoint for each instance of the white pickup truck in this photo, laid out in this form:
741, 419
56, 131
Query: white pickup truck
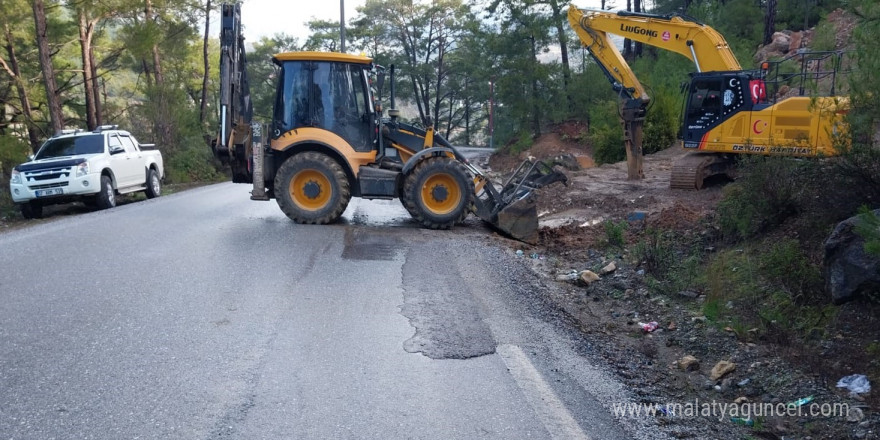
90, 166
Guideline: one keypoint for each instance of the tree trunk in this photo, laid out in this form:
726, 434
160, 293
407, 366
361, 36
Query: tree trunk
467, 114
163, 127
627, 43
85, 43
536, 114
561, 26
637, 7
157, 60
96, 88
15, 72
56, 117
203, 103
769, 21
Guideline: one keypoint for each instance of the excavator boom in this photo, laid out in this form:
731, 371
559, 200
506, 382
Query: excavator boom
701, 44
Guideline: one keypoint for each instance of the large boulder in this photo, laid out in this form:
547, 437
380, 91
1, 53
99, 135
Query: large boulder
777, 48
849, 270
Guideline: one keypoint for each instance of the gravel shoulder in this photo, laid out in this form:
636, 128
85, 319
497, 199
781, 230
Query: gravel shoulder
657, 365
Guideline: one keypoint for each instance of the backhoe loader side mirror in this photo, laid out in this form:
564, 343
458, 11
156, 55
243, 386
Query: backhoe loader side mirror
380, 82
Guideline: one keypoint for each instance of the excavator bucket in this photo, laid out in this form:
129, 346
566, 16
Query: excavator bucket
511, 208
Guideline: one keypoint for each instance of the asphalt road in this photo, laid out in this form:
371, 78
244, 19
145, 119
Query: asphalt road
205, 315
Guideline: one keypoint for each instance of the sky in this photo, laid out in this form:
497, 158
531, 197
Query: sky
265, 18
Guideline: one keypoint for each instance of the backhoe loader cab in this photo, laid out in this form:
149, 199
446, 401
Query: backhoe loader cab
325, 91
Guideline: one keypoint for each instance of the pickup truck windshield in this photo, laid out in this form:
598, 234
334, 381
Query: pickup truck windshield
70, 146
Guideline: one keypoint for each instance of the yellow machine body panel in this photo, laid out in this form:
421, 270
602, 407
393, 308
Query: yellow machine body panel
797, 126
310, 135
323, 56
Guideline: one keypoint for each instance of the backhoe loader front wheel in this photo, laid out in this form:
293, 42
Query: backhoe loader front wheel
438, 192
312, 188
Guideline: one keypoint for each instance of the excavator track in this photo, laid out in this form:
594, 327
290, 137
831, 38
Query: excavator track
691, 171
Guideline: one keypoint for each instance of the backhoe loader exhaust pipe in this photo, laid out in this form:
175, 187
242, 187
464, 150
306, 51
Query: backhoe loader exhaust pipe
511, 209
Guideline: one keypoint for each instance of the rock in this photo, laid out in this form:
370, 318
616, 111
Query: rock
611, 267
688, 294
855, 415
726, 385
567, 277
849, 270
688, 363
588, 277
567, 161
740, 400
796, 39
778, 47
721, 369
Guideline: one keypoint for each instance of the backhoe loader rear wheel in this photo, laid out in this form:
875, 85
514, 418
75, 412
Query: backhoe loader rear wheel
312, 188
438, 192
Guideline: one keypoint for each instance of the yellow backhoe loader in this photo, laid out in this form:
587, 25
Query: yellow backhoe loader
328, 141
728, 110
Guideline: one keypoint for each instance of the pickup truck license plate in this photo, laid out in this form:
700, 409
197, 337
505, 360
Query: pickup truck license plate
49, 192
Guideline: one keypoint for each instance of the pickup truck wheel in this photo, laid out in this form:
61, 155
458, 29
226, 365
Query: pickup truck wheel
106, 199
312, 188
31, 210
154, 185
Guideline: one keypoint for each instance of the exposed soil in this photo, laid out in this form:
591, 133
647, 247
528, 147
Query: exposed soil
573, 238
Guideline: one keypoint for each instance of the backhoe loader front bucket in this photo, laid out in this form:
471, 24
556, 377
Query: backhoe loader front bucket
511, 209
519, 220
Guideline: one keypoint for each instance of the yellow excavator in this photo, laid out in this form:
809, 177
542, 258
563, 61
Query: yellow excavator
328, 142
727, 110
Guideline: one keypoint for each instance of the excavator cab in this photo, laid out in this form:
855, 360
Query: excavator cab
713, 98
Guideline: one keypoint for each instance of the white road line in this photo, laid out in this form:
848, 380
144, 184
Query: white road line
552, 412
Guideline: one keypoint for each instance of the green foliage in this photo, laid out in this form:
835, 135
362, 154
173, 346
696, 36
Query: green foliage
785, 266
13, 151
866, 78
662, 122
192, 164
824, 37
747, 289
615, 233
262, 72
671, 267
869, 229
769, 191
655, 252
607, 144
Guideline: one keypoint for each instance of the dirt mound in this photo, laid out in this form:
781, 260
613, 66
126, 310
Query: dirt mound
678, 217
564, 139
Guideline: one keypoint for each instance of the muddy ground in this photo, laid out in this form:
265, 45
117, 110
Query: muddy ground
573, 238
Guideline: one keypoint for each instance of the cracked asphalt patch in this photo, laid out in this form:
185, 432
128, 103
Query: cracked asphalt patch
442, 309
